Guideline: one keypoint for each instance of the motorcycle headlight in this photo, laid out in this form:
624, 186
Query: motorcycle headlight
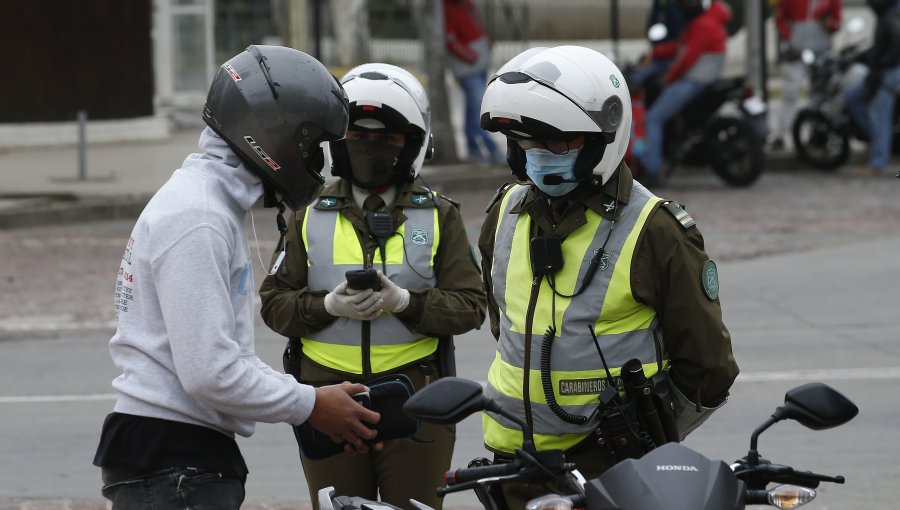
790, 496
550, 502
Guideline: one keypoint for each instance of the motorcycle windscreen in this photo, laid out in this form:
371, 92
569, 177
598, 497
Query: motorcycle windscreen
671, 477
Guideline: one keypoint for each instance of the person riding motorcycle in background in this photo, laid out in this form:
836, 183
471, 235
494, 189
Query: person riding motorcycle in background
871, 102
656, 62
652, 294
802, 25
430, 286
699, 60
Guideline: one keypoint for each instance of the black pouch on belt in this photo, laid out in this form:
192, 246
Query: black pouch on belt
290, 359
386, 396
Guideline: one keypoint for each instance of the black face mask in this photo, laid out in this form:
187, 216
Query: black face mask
372, 163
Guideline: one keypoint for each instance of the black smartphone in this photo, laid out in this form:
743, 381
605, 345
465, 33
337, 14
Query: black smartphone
361, 279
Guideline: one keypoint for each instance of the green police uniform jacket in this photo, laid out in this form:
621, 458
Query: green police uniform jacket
446, 295
647, 300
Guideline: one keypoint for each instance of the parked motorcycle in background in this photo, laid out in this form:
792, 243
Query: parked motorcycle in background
723, 128
823, 129
680, 478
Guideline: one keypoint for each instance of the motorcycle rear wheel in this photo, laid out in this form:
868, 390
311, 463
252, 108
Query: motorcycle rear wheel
818, 142
736, 151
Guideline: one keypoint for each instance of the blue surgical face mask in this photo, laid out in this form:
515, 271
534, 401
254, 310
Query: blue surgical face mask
540, 163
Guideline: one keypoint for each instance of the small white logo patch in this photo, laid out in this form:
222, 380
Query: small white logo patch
670, 467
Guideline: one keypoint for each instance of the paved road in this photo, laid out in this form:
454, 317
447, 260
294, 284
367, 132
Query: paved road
809, 278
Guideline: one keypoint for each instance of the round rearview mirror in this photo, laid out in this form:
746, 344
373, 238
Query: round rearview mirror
657, 32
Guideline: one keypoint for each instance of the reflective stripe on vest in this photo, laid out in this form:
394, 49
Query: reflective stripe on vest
624, 328
333, 248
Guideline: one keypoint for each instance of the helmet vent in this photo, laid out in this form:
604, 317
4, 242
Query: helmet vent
374, 75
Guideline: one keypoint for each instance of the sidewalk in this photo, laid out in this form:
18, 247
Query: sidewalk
42, 185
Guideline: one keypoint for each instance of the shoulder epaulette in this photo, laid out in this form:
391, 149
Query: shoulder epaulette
448, 199
498, 195
680, 214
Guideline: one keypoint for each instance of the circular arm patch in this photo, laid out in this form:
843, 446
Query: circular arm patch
709, 278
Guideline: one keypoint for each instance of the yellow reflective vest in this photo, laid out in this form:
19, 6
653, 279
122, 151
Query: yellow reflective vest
333, 248
625, 329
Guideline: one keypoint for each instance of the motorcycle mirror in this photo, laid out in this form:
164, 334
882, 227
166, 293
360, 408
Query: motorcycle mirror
446, 401
856, 24
816, 406
657, 32
807, 56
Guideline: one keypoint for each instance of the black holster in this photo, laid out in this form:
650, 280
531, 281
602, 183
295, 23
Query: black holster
290, 359
446, 352
664, 402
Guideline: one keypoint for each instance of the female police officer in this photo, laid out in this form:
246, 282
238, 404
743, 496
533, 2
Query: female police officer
579, 258
375, 217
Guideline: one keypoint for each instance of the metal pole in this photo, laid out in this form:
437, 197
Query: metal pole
317, 28
763, 61
754, 59
82, 146
614, 28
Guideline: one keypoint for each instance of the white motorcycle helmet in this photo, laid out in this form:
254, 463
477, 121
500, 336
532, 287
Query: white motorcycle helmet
384, 97
558, 94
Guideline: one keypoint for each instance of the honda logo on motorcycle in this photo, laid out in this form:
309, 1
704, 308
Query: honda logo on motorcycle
670, 467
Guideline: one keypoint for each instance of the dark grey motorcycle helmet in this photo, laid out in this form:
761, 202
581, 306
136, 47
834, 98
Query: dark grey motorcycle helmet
274, 106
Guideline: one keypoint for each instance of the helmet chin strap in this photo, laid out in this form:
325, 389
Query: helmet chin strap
282, 230
270, 198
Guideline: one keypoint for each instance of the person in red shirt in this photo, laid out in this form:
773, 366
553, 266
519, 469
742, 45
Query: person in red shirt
469, 51
802, 25
699, 59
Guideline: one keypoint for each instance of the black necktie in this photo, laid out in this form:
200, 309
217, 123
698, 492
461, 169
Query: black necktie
373, 202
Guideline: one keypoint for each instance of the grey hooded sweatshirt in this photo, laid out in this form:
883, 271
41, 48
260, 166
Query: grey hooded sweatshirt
184, 301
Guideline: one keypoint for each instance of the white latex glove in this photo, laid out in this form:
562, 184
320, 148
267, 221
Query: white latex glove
395, 298
361, 305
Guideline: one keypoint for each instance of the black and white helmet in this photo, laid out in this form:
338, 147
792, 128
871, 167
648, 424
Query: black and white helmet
558, 94
384, 97
275, 106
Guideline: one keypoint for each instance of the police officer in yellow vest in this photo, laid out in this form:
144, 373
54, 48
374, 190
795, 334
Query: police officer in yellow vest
374, 216
580, 260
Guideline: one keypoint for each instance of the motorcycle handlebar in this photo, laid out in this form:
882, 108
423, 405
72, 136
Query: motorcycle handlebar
757, 497
462, 475
785, 474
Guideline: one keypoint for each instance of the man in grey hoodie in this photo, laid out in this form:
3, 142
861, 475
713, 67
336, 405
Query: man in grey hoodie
184, 295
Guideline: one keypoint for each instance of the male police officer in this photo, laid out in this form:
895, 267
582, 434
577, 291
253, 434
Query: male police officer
375, 217
581, 259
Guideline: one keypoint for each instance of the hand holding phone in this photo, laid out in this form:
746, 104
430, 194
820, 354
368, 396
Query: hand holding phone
361, 279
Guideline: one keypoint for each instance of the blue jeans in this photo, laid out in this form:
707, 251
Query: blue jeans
473, 90
667, 105
641, 75
875, 115
172, 489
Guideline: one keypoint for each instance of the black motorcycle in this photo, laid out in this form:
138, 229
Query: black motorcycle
823, 129
671, 476
723, 128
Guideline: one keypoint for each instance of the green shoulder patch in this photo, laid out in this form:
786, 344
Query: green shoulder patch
680, 214
709, 278
419, 198
328, 202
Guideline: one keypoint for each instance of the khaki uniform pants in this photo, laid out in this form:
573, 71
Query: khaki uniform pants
404, 469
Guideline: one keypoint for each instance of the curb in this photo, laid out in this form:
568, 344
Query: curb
51, 210
32, 210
